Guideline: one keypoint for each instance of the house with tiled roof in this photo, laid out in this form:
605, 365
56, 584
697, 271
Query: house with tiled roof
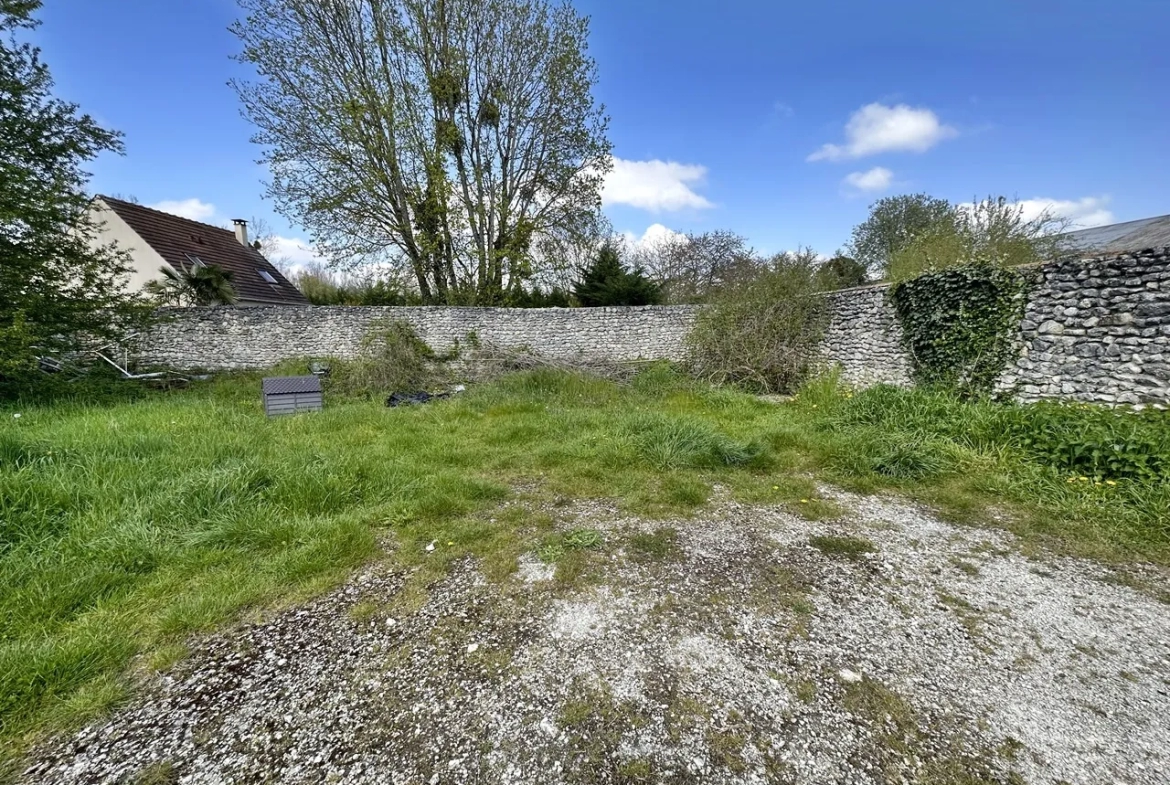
154, 239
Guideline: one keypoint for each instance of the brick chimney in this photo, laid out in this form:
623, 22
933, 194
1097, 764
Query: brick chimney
241, 230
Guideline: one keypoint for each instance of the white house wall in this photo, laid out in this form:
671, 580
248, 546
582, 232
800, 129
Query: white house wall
145, 261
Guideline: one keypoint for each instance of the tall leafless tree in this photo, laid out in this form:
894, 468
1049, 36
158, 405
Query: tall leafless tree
452, 136
691, 268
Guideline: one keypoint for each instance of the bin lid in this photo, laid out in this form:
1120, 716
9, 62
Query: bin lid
275, 385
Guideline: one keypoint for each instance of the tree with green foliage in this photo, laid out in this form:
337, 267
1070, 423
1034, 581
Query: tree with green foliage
59, 291
322, 286
536, 297
992, 231
458, 139
893, 223
841, 272
959, 296
609, 282
204, 284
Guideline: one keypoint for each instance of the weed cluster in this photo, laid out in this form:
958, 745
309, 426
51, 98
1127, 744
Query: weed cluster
1098, 443
1066, 439
556, 546
843, 547
392, 359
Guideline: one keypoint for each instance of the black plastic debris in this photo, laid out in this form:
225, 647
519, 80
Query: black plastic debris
409, 399
412, 398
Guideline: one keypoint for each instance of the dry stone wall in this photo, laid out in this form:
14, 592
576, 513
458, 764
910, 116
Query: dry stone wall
1097, 330
229, 337
1094, 330
864, 338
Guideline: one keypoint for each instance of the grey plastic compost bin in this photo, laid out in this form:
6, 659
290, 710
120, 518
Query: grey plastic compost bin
291, 394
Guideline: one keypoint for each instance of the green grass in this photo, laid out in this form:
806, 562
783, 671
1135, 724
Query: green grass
851, 548
901, 735
657, 545
127, 525
156, 774
1027, 461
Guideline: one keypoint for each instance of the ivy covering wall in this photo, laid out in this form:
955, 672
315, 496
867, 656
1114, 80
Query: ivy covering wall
960, 325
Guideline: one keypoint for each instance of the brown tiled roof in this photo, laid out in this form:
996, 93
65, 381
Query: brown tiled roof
177, 239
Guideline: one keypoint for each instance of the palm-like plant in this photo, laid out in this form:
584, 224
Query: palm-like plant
205, 284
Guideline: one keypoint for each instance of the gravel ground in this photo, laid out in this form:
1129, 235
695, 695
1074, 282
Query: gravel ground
742, 645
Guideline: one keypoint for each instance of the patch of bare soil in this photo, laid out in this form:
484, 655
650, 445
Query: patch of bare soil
742, 645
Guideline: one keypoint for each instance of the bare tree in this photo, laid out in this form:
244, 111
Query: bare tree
265, 240
559, 261
691, 268
445, 135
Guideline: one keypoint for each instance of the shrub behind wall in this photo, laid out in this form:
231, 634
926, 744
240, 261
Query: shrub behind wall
762, 334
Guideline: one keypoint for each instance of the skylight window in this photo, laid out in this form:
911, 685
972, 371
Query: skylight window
267, 276
196, 261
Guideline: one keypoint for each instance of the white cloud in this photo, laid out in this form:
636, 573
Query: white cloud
654, 185
876, 179
291, 253
1084, 213
654, 236
876, 128
781, 109
195, 209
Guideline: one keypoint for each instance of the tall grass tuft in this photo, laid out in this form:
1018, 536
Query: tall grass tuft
676, 442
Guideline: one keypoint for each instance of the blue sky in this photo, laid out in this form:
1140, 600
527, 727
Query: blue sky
781, 121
